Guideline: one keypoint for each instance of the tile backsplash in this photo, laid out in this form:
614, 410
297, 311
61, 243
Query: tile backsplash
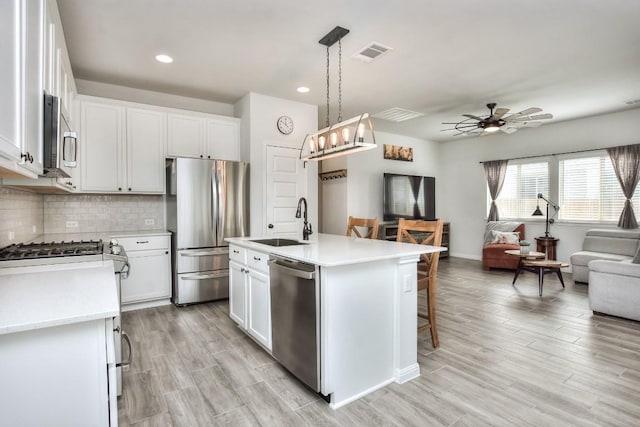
21, 216
81, 213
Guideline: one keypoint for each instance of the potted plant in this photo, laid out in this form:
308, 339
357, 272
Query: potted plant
525, 247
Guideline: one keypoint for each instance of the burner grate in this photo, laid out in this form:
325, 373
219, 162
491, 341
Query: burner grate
50, 250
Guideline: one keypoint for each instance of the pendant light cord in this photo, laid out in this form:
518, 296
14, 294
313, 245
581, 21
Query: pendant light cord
327, 86
339, 80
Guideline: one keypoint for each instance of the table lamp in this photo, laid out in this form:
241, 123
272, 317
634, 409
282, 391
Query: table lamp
538, 212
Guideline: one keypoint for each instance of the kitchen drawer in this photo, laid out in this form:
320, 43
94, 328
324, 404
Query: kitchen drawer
202, 286
190, 260
257, 261
238, 254
143, 243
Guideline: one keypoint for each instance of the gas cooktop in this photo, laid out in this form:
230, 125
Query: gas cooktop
24, 251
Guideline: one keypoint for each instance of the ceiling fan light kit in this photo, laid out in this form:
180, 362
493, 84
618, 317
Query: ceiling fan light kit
498, 120
345, 137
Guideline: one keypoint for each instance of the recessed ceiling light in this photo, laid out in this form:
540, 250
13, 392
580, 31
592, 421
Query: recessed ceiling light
166, 59
303, 89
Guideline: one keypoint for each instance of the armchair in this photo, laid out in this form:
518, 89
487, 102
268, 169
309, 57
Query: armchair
493, 255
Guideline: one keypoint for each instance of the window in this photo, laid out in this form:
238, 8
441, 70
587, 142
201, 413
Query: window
589, 190
522, 183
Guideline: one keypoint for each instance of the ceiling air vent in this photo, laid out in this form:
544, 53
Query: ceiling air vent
371, 52
397, 114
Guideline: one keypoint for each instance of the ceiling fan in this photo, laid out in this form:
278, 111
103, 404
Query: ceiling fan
498, 120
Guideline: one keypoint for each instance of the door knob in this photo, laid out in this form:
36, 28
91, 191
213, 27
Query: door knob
270, 225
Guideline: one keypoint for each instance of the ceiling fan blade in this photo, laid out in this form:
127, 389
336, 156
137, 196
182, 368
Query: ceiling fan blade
499, 113
541, 116
528, 111
471, 116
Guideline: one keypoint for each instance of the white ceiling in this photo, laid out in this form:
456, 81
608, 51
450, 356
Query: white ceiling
572, 58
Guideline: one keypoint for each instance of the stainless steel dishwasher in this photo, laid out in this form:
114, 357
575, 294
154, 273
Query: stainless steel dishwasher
295, 314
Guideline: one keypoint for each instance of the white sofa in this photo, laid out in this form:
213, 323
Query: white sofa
611, 245
614, 288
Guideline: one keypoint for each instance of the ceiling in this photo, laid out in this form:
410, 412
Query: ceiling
572, 58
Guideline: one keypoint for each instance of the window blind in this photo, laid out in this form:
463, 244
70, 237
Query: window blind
522, 184
589, 190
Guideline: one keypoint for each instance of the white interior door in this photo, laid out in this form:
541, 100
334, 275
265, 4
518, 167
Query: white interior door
286, 182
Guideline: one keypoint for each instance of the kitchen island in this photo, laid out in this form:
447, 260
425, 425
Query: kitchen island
367, 308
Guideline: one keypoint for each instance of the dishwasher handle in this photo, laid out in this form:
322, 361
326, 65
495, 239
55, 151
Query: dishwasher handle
292, 271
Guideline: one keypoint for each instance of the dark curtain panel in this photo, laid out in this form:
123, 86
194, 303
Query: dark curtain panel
495, 172
626, 164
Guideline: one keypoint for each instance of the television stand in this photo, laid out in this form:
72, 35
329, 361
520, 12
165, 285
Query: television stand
389, 231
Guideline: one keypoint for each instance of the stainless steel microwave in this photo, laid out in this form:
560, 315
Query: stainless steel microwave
60, 149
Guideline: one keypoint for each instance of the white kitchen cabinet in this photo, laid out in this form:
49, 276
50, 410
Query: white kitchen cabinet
237, 293
249, 293
122, 149
146, 138
150, 268
62, 375
223, 138
203, 136
21, 26
100, 145
185, 135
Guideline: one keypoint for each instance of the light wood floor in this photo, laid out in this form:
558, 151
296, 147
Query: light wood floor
507, 358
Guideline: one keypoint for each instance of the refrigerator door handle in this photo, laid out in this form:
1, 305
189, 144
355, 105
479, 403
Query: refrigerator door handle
221, 200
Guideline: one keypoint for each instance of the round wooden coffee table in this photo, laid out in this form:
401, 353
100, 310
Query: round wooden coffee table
535, 262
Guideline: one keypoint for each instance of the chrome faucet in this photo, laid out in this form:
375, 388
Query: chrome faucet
306, 230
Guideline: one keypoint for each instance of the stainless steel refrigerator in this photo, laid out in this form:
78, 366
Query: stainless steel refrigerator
207, 201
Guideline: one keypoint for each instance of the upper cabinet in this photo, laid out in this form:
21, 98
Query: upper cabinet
203, 136
122, 149
21, 27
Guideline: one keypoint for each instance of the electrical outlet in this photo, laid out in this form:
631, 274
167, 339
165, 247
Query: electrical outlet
407, 283
149, 221
34, 229
72, 224
12, 235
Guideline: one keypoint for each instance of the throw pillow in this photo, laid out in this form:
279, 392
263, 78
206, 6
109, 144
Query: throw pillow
636, 257
505, 238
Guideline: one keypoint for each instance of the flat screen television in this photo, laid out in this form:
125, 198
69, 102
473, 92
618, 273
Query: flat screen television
409, 196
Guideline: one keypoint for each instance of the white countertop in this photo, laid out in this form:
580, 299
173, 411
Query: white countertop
52, 295
329, 250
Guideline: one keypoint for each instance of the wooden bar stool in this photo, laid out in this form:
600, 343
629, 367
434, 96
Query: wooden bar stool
370, 224
425, 233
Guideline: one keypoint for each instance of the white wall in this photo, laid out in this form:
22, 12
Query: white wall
123, 93
259, 114
463, 189
360, 194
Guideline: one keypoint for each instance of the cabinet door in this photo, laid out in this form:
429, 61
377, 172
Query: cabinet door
65, 85
33, 100
50, 74
259, 319
145, 150
100, 144
223, 139
10, 78
185, 136
237, 293
149, 277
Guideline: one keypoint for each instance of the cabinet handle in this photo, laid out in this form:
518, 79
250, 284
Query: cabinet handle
119, 188
270, 226
257, 258
208, 157
128, 362
141, 242
246, 271
27, 157
166, 252
235, 251
242, 269
201, 156
129, 188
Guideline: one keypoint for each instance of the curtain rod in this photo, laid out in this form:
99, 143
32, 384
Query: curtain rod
547, 155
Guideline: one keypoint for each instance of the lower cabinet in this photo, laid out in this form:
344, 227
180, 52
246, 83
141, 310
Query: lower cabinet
250, 293
62, 375
150, 268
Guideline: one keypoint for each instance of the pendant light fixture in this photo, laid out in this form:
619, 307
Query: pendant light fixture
345, 137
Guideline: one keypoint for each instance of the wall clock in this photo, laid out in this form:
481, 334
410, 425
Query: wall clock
285, 125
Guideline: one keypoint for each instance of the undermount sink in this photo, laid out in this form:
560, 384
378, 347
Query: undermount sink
278, 242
